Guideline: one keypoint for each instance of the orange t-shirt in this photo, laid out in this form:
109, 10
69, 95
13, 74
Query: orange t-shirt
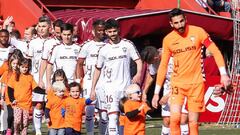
136, 125
23, 90
121, 120
6, 76
186, 52
55, 104
74, 110
4, 67
50, 93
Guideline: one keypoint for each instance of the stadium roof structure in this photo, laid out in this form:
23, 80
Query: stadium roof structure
137, 23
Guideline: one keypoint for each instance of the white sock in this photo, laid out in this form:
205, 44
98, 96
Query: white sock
165, 130
89, 121
113, 124
184, 129
37, 120
103, 122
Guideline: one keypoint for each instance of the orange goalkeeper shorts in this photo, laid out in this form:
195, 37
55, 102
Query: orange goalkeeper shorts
193, 92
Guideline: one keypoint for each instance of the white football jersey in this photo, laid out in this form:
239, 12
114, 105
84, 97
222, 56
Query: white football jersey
35, 50
114, 59
21, 45
65, 57
89, 52
48, 46
4, 53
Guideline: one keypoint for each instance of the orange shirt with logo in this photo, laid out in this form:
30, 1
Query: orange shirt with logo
136, 125
23, 90
186, 52
74, 111
55, 104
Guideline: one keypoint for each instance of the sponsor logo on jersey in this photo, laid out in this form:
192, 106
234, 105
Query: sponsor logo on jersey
68, 57
93, 55
117, 57
39, 51
189, 48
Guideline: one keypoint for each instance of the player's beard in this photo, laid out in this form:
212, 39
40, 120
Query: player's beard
181, 30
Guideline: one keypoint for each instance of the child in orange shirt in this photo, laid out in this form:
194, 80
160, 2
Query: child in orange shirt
53, 109
58, 76
135, 111
20, 95
9, 72
74, 106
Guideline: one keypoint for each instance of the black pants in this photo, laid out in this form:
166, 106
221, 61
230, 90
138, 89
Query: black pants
70, 131
10, 116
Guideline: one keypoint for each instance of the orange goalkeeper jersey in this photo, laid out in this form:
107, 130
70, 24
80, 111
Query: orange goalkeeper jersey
186, 52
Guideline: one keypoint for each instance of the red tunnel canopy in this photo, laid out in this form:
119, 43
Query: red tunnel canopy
136, 23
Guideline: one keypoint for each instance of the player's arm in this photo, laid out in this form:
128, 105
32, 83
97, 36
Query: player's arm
79, 70
137, 77
96, 76
43, 66
97, 72
49, 70
48, 74
147, 83
161, 73
211, 46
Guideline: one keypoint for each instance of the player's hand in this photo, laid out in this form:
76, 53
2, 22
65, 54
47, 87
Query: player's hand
8, 20
144, 97
136, 79
225, 80
93, 95
48, 120
141, 107
219, 89
1, 102
164, 100
14, 102
155, 101
41, 84
49, 87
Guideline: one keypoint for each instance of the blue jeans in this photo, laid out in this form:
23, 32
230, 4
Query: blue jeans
71, 131
60, 131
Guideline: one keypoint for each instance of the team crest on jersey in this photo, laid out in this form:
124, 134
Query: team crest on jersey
192, 38
75, 51
124, 49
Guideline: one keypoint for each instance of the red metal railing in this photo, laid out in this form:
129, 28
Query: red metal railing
44, 8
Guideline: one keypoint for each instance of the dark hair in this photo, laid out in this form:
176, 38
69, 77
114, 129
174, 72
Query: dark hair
16, 55
111, 23
60, 72
4, 31
75, 84
175, 12
67, 26
121, 104
148, 53
44, 19
57, 23
98, 22
16, 34
27, 62
12, 22
33, 30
